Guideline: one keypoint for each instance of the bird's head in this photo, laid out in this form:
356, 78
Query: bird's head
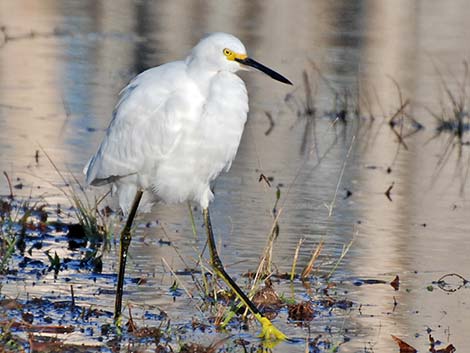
225, 52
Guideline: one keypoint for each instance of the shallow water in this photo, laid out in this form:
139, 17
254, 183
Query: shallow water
64, 63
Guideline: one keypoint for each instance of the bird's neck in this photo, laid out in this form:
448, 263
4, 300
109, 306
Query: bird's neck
200, 74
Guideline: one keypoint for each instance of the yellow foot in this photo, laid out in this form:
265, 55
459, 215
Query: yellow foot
269, 331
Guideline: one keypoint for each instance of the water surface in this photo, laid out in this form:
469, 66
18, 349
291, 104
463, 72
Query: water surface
64, 62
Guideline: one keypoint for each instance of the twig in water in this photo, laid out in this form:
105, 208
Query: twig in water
392, 124
72, 305
343, 254
180, 257
332, 204
308, 269
443, 284
9, 184
309, 105
264, 269
263, 177
388, 192
177, 278
193, 223
68, 114
296, 256
271, 123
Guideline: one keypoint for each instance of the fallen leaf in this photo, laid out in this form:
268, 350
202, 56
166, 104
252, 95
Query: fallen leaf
449, 349
10, 304
41, 328
267, 296
396, 283
267, 300
301, 312
263, 177
198, 348
45, 347
404, 347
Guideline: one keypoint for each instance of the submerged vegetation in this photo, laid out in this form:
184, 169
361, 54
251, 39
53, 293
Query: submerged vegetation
453, 123
37, 242
363, 110
37, 246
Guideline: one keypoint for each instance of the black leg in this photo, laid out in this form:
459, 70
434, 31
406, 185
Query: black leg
269, 330
125, 242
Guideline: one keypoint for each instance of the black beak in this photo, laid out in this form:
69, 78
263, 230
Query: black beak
271, 73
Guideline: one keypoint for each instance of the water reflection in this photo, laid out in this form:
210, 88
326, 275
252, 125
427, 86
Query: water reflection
59, 91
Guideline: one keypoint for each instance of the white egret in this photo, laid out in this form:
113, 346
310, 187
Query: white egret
174, 129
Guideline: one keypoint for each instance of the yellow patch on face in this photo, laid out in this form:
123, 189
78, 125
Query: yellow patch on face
231, 55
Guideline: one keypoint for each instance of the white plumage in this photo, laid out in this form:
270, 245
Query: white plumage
175, 128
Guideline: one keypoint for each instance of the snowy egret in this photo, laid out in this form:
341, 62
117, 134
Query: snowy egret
174, 129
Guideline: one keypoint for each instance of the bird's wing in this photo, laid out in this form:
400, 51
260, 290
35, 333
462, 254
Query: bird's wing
146, 125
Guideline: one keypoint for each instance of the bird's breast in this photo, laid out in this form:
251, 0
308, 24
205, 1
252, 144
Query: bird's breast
209, 142
223, 119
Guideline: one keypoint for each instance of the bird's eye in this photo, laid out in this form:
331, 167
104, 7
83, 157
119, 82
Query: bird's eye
227, 52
